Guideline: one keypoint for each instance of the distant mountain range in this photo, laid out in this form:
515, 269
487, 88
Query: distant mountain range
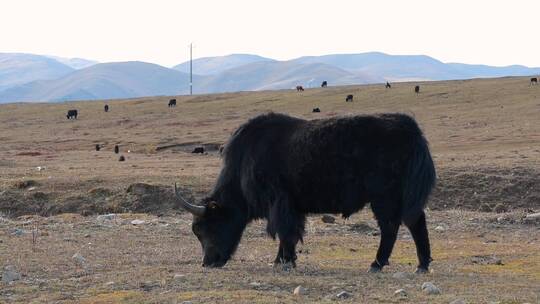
27, 77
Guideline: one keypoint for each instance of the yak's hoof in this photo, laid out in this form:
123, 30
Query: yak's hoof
421, 270
374, 269
284, 266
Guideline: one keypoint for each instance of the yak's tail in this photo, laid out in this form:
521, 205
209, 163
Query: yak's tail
418, 181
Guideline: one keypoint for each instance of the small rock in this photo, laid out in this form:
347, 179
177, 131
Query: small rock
403, 275
187, 302
299, 291
179, 276
106, 217
440, 229
87, 235
458, 301
255, 284
430, 288
328, 219
531, 218
137, 222
10, 274
111, 283
344, 295
484, 208
500, 208
79, 259
17, 231
400, 293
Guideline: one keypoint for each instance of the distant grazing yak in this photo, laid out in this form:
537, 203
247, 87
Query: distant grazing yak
388, 86
122, 158
417, 89
316, 110
116, 149
106, 108
98, 147
198, 150
534, 80
349, 98
299, 88
172, 103
281, 169
324, 84
72, 114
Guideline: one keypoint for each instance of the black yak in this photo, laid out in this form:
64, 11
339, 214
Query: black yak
282, 168
417, 89
388, 85
534, 80
72, 114
106, 108
172, 103
98, 147
198, 150
299, 88
349, 98
116, 149
324, 84
316, 110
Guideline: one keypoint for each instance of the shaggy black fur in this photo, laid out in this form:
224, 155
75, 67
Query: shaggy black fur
282, 168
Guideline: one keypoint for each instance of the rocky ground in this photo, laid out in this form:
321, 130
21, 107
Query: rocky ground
79, 226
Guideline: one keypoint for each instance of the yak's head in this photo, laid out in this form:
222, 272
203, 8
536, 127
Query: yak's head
217, 226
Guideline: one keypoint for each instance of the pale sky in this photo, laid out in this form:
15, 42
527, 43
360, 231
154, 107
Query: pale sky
159, 31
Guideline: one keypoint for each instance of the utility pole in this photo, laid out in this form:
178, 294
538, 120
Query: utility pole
191, 69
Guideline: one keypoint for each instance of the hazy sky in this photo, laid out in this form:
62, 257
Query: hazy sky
159, 31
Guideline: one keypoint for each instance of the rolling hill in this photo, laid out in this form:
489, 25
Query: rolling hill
18, 68
413, 67
271, 75
104, 81
75, 63
216, 65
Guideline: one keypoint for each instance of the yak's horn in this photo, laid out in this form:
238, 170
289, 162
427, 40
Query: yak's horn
193, 209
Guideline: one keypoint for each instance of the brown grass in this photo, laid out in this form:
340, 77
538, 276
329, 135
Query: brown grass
485, 139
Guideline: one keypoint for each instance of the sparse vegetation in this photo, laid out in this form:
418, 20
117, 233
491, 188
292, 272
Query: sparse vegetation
484, 138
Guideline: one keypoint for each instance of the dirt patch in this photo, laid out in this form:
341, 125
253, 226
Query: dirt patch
139, 197
29, 153
487, 189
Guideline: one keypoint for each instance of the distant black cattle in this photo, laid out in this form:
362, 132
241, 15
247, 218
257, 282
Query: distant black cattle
106, 108
172, 103
534, 80
122, 158
417, 89
116, 149
198, 150
388, 86
316, 110
98, 147
299, 88
349, 98
72, 114
324, 84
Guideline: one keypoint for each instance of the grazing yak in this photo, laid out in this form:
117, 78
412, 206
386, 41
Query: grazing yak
299, 88
388, 86
324, 84
172, 103
316, 110
116, 149
106, 108
198, 150
72, 114
417, 89
98, 147
534, 80
349, 98
281, 168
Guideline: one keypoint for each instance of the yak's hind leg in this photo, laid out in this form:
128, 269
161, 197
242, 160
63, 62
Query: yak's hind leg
387, 215
421, 240
289, 226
